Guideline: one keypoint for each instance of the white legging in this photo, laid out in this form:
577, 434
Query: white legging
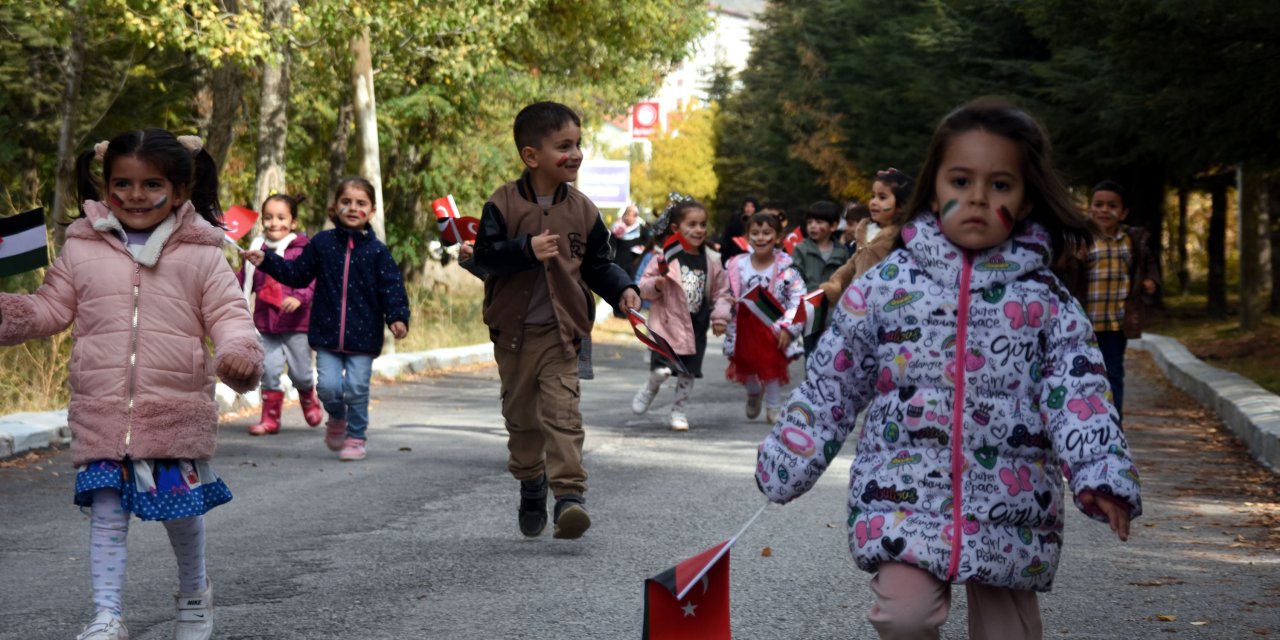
772, 391
109, 553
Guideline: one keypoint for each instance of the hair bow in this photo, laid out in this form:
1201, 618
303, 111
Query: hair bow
100, 150
193, 143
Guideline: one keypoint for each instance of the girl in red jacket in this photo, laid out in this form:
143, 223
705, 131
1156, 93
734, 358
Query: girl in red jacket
143, 278
281, 315
690, 293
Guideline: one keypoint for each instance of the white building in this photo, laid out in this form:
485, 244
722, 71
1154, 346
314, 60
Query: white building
728, 42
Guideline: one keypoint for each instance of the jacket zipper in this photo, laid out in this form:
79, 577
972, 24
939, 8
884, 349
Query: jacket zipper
133, 356
957, 416
342, 322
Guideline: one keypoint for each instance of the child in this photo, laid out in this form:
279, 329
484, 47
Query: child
857, 212
981, 375
1121, 271
690, 293
143, 278
818, 257
876, 235
760, 344
542, 244
358, 291
281, 316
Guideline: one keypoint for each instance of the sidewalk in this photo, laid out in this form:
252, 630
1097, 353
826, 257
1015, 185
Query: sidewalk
20, 432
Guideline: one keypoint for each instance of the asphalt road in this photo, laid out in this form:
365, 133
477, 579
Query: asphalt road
420, 539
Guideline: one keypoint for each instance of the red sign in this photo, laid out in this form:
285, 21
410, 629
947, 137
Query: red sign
239, 221
644, 119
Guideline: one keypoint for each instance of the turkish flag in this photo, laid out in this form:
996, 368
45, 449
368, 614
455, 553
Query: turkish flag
690, 601
239, 221
794, 238
742, 243
453, 229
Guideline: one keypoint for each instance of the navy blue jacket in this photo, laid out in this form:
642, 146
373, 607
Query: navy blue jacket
358, 289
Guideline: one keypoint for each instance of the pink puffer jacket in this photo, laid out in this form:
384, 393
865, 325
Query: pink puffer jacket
143, 388
669, 315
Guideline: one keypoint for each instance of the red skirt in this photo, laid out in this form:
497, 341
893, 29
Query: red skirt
756, 353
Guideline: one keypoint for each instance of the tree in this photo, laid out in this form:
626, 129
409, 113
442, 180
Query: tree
273, 103
681, 161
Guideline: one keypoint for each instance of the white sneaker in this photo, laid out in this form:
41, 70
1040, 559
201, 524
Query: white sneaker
644, 398
678, 421
195, 615
104, 627
754, 400
771, 414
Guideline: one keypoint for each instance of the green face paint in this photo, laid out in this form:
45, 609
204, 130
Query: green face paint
950, 207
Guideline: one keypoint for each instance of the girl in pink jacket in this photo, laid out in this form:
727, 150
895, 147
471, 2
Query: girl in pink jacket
690, 293
143, 277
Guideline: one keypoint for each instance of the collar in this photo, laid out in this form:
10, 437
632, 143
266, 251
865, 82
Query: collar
150, 253
525, 187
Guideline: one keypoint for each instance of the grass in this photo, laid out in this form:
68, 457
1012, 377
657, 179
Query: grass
445, 313
1221, 342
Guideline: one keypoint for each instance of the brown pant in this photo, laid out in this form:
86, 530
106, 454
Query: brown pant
540, 405
912, 604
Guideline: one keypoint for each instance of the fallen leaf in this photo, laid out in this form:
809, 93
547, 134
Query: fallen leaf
766, 552
830, 526
405, 449
1166, 618
1200, 623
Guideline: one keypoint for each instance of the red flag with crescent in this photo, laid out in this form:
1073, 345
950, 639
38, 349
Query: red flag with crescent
690, 601
238, 221
794, 238
453, 228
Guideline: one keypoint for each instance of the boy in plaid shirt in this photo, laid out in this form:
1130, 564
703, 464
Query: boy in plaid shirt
1122, 272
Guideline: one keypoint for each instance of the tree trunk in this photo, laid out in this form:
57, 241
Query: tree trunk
1249, 193
341, 141
1217, 304
273, 114
366, 114
1273, 218
1184, 275
73, 69
226, 85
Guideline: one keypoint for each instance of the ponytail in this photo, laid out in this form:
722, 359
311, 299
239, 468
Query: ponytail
204, 188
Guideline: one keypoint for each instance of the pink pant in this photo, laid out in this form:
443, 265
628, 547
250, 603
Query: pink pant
911, 604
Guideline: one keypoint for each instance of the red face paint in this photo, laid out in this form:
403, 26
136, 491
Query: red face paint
561, 162
115, 199
1006, 218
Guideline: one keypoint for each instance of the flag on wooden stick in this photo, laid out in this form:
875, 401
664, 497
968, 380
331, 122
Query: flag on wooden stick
24, 244
657, 343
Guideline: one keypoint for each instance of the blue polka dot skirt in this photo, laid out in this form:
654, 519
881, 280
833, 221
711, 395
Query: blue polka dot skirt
154, 489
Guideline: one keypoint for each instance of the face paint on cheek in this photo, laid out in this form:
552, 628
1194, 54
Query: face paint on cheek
115, 199
160, 203
1006, 218
562, 161
949, 208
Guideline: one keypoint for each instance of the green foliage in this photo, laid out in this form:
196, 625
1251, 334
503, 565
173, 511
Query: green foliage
682, 160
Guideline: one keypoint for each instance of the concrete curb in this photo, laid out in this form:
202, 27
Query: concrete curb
1251, 412
20, 432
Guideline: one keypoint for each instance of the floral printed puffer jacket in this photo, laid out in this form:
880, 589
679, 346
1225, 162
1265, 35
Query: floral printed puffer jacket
983, 386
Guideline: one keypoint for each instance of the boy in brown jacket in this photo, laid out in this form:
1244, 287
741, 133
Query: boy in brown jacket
542, 245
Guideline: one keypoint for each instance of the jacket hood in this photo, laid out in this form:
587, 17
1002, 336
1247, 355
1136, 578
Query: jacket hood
1026, 251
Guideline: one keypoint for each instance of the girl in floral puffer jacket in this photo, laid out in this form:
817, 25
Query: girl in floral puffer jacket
983, 386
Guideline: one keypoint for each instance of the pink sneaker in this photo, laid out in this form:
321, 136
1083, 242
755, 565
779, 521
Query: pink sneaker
352, 450
335, 431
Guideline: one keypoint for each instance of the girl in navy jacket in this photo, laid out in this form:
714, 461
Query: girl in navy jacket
358, 290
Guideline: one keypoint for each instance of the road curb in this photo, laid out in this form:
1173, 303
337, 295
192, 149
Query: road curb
21, 432
1251, 412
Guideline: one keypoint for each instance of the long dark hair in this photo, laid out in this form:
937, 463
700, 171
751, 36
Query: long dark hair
1052, 205
194, 173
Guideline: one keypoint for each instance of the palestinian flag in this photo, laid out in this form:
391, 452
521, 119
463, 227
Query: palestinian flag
24, 244
690, 601
673, 246
763, 305
657, 343
812, 312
